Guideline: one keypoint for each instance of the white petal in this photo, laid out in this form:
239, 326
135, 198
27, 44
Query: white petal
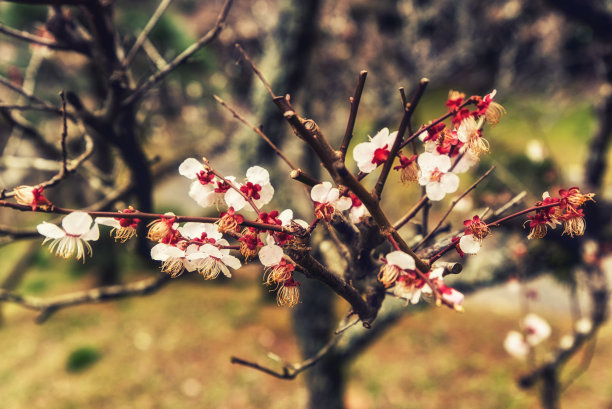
436, 273
93, 234
285, 217
77, 223
231, 261
190, 168
234, 199
258, 175
363, 155
469, 244
108, 221
50, 230
455, 297
401, 260
450, 182
192, 230
515, 345
270, 255
162, 252
265, 195
435, 191
343, 203
211, 251
427, 161
537, 328
319, 192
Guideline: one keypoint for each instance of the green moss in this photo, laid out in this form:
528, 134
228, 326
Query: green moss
82, 358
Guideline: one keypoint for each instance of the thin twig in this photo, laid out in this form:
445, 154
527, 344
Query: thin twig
138, 215
47, 306
452, 206
154, 55
163, 5
233, 186
64, 169
34, 39
257, 131
408, 111
301, 176
181, 58
255, 70
350, 126
411, 213
290, 371
24, 93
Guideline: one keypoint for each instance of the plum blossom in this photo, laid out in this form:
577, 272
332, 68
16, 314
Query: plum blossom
475, 231
173, 259
435, 175
536, 329
491, 110
278, 269
209, 260
123, 228
394, 264
470, 134
515, 345
72, 239
206, 189
327, 200
369, 155
358, 209
31, 196
257, 187
448, 294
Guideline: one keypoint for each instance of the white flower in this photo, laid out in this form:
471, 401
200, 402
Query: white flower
466, 162
73, 239
515, 345
369, 155
173, 259
536, 329
270, 254
286, 218
192, 230
583, 326
329, 200
470, 244
209, 260
257, 187
450, 295
394, 264
434, 175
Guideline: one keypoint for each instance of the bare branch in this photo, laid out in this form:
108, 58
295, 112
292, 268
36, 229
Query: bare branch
34, 39
181, 58
452, 206
255, 70
290, 371
257, 131
163, 5
355, 100
47, 306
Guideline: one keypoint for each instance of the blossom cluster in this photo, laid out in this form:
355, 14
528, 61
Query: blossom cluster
270, 236
447, 150
565, 209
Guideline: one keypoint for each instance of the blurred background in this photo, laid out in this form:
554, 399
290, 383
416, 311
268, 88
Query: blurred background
551, 64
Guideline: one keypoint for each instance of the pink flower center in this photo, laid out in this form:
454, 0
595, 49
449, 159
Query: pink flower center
436, 175
381, 155
251, 190
205, 177
222, 187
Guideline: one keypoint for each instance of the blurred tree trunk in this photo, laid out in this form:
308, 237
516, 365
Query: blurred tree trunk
285, 63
